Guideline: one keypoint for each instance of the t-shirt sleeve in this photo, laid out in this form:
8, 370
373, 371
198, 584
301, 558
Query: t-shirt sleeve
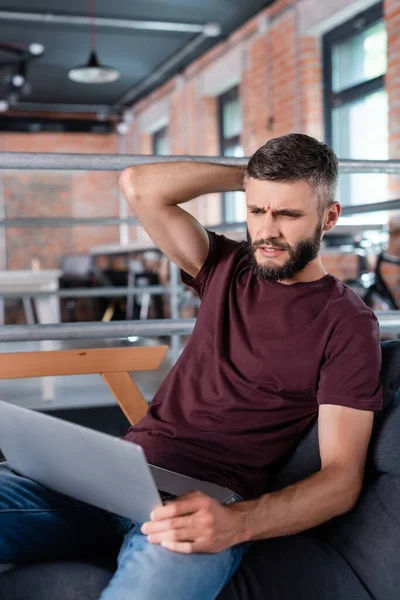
350, 375
198, 282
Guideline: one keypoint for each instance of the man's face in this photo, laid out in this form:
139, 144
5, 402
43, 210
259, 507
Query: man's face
284, 229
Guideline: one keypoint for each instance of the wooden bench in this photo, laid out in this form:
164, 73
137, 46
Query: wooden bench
113, 364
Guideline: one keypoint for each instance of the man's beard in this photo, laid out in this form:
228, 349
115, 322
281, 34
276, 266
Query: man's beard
299, 258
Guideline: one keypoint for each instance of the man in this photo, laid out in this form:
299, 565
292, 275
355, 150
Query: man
278, 343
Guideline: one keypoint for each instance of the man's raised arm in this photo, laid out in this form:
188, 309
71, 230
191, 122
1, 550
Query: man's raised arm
154, 192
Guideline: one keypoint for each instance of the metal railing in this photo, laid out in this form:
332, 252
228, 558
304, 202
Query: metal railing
175, 326
37, 222
95, 292
92, 331
388, 321
119, 162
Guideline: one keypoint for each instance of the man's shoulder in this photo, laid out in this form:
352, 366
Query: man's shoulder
225, 241
346, 305
224, 248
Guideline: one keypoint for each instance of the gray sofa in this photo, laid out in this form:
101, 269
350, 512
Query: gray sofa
353, 557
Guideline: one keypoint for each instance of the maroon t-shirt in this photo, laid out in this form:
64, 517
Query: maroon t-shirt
261, 359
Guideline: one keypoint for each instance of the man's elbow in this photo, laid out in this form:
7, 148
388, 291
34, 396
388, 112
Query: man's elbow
345, 485
126, 182
350, 497
130, 185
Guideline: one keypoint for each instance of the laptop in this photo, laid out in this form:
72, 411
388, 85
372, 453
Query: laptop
93, 467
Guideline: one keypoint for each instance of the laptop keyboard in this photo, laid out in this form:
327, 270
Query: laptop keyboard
165, 496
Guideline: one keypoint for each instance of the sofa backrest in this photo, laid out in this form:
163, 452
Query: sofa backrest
305, 459
369, 536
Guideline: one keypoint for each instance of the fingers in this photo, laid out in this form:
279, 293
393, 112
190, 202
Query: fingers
185, 505
185, 525
186, 547
167, 524
173, 535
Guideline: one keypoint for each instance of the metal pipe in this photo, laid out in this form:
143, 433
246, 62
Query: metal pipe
122, 203
369, 208
118, 162
122, 329
91, 331
369, 166
99, 162
78, 20
95, 292
71, 222
174, 292
65, 221
99, 292
389, 321
158, 75
339, 229
102, 109
174, 289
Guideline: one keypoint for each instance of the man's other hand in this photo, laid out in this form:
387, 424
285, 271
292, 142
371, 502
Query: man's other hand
194, 523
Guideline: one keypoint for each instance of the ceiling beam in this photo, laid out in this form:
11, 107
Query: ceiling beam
207, 29
158, 75
101, 109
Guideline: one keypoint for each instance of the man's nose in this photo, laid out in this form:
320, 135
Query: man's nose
268, 229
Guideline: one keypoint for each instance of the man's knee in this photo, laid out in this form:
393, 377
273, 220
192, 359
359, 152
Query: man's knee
156, 573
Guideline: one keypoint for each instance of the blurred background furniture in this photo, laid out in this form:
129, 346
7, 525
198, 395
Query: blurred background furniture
26, 283
79, 271
137, 307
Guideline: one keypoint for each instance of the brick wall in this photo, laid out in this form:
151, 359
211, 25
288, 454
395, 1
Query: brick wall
57, 194
275, 58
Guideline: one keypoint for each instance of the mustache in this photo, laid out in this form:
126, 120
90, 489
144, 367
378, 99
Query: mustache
259, 243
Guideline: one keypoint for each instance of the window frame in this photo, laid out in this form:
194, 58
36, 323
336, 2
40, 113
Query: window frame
161, 133
333, 99
224, 142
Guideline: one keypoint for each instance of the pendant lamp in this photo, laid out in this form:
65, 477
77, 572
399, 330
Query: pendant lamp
93, 71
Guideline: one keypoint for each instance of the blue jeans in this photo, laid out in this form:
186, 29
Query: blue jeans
39, 524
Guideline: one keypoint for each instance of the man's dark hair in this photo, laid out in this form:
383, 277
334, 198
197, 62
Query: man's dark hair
295, 157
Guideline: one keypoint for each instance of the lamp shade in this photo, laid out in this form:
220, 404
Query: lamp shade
93, 72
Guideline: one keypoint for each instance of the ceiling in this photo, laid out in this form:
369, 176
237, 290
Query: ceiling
136, 53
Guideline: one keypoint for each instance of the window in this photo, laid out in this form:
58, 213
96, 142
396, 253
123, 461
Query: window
160, 142
356, 107
230, 120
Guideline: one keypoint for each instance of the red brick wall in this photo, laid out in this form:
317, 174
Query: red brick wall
256, 95
281, 91
283, 58
58, 194
310, 78
280, 82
